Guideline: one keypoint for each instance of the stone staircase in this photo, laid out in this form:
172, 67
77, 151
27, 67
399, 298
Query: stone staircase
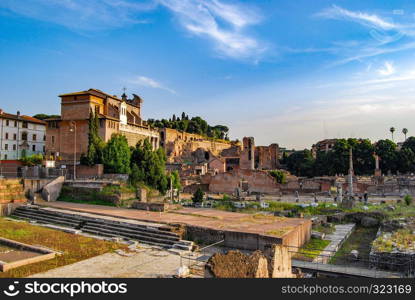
153, 234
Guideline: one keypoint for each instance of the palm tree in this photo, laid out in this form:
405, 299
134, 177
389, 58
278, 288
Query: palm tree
392, 130
405, 131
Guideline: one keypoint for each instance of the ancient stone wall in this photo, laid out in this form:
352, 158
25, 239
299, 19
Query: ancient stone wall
247, 159
179, 145
258, 181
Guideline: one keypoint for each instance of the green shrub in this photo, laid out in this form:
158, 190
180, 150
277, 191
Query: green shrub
408, 199
279, 176
198, 196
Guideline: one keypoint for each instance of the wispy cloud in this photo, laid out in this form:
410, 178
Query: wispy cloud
149, 82
221, 23
80, 14
371, 20
384, 35
387, 69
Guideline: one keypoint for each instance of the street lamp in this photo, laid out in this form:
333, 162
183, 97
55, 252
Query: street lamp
72, 128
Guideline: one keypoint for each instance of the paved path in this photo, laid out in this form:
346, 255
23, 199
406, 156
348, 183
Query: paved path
337, 238
343, 270
148, 263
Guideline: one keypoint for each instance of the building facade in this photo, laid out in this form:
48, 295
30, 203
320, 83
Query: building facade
67, 136
20, 136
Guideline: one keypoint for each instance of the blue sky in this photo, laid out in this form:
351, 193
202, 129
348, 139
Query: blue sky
290, 72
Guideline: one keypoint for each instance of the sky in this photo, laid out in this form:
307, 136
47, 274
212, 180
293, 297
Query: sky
286, 72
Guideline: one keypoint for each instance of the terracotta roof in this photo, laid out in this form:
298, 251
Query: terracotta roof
94, 92
21, 118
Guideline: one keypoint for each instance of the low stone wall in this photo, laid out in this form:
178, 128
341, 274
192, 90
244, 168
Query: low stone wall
52, 190
89, 172
159, 207
296, 237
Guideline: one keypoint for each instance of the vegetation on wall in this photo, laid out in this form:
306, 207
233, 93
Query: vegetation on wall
195, 125
32, 160
45, 116
279, 176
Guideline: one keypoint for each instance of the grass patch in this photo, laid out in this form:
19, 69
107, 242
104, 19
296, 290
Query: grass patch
324, 229
361, 240
96, 201
402, 240
279, 232
311, 250
74, 247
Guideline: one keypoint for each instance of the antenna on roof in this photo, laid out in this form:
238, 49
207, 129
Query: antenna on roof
124, 89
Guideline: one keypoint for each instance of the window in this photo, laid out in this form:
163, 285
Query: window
6, 146
14, 136
7, 122
44, 137
53, 139
44, 149
24, 136
15, 123
5, 156
14, 147
33, 148
24, 125
34, 137
7, 136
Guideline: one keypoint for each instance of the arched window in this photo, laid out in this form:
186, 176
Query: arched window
24, 136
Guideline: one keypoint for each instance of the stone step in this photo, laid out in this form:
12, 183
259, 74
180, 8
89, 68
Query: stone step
44, 219
140, 231
162, 230
130, 226
155, 235
139, 237
100, 233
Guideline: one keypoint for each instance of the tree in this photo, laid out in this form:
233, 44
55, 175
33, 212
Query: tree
175, 180
117, 155
409, 143
392, 130
198, 196
96, 145
301, 163
148, 166
405, 132
388, 154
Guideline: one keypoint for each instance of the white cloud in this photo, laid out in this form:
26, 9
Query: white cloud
81, 14
371, 20
149, 82
387, 69
221, 23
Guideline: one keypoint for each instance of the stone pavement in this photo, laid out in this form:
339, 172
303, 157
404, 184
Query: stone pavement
147, 262
337, 238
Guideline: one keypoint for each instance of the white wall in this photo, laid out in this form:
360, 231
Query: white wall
32, 129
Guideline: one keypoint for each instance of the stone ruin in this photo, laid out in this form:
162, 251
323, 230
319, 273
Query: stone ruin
274, 262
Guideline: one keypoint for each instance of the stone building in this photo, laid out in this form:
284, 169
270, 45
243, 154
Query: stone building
324, 146
182, 146
116, 115
20, 135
